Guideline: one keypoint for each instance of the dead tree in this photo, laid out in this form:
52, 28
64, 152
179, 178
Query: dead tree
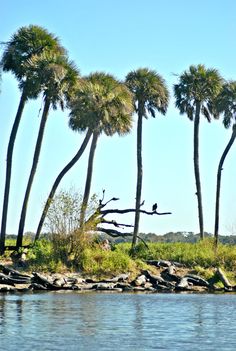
99, 218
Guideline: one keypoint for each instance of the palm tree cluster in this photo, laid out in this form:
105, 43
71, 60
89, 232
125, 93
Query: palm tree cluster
99, 103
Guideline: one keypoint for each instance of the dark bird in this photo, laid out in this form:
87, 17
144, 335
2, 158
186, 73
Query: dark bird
154, 207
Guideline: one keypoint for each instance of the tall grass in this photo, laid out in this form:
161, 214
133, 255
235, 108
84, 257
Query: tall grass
84, 254
202, 253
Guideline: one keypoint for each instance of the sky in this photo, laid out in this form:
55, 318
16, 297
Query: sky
116, 37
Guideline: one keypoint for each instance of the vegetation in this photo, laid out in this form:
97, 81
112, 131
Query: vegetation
25, 44
225, 104
104, 105
54, 255
150, 95
195, 95
58, 78
98, 104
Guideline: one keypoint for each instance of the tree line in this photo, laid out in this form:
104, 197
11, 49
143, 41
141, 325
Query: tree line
99, 103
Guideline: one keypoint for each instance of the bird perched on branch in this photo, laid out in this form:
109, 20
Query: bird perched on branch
154, 207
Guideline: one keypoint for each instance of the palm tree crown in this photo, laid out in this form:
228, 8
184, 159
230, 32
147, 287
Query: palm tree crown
150, 91
56, 75
226, 103
197, 85
103, 104
26, 43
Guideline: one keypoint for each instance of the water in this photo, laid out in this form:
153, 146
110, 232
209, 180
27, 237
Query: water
106, 321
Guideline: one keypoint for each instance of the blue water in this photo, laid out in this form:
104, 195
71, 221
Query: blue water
107, 321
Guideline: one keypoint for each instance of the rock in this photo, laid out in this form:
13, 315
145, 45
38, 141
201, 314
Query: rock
154, 279
119, 278
159, 263
183, 284
148, 285
59, 282
36, 286
141, 280
196, 280
104, 286
170, 277
138, 288
6, 288
125, 286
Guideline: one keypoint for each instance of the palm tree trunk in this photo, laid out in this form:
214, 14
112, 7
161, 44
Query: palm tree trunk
32, 173
57, 181
139, 179
196, 168
218, 183
9, 169
88, 179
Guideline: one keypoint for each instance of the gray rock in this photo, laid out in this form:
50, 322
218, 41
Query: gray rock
140, 280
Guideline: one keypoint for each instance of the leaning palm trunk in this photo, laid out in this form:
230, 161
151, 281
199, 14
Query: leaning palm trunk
32, 173
218, 183
57, 181
139, 180
196, 168
88, 179
9, 169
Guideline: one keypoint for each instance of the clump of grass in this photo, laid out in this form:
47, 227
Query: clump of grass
99, 262
202, 253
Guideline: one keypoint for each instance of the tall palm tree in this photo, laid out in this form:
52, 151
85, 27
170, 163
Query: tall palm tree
58, 180
194, 94
150, 96
58, 77
104, 106
25, 43
225, 104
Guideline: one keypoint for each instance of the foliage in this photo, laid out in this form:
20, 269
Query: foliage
226, 103
150, 91
103, 104
198, 84
63, 216
202, 253
26, 44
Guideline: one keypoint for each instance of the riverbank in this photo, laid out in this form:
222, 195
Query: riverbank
160, 276
156, 267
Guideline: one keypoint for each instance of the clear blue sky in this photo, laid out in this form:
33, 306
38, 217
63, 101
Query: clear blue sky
117, 37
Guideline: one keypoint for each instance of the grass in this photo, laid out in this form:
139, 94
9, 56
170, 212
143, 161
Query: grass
88, 258
202, 253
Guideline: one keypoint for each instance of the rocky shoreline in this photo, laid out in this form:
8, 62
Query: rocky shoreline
170, 277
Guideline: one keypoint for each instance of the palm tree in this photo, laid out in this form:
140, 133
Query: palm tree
58, 180
150, 95
25, 43
58, 77
105, 105
194, 94
226, 104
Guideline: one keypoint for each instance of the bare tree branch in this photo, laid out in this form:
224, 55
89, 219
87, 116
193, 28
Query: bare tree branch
105, 212
115, 233
112, 232
113, 222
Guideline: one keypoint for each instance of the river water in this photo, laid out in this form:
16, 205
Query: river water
112, 321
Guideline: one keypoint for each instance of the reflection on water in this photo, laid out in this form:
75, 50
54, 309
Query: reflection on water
74, 321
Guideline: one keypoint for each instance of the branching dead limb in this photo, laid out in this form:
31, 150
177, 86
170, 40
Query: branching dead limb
109, 211
99, 217
113, 222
